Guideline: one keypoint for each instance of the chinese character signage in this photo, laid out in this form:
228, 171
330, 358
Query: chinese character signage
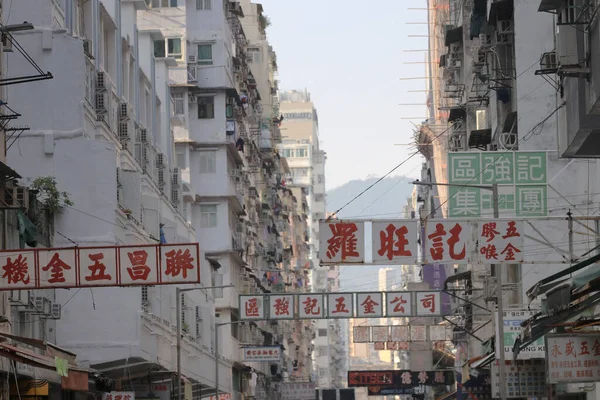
501, 241
428, 303
400, 378
395, 242
399, 304
369, 305
520, 175
311, 306
281, 306
524, 379
118, 396
275, 306
264, 353
362, 334
447, 241
573, 358
252, 307
297, 391
100, 266
512, 330
342, 242
340, 305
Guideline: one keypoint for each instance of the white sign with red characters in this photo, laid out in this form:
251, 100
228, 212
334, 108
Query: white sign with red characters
399, 304
342, 242
252, 307
276, 306
340, 305
573, 357
428, 304
395, 241
281, 306
501, 241
264, 353
447, 242
311, 306
369, 305
100, 266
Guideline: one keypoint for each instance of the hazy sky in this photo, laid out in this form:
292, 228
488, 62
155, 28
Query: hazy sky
350, 56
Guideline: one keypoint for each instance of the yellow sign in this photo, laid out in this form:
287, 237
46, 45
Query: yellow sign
30, 387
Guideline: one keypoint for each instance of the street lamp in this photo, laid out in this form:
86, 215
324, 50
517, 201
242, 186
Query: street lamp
498, 272
178, 292
217, 326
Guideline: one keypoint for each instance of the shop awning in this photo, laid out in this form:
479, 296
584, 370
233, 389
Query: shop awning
501, 10
480, 138
457, 113
549, 5
484, 361
454, 36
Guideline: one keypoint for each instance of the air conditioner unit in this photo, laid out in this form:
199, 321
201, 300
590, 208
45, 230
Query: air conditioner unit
43, 305
144, 135
160, 160
101, 80
17, 197
145, 155
124, 130
191, 71
175, 196
87, 47
20, 297
56, 311
176, 176
124, 111
161, 177
100, 102
191, 59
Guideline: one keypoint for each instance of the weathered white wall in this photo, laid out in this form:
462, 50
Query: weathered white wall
578, 181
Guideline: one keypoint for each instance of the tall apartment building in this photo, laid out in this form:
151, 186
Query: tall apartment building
509, 76
161, 122
300, 145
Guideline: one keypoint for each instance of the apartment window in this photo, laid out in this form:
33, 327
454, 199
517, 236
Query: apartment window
205, 56
206, 107
323, 372
163, 3
203, 4
174, 48
320, 178
229, 111
322, 351
300, 171
178, 99
181, 161
288, 153
254, 56
159, 48
301, 153
322, 332
208, 162
168, 48
208, 216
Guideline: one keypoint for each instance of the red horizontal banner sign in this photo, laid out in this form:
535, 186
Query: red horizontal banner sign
135, 265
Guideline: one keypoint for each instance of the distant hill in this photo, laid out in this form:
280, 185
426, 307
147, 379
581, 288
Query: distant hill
384, 200
387, 197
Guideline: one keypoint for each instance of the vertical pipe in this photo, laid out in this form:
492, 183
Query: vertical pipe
119, 51
136, 73
178, 316
217, 326
500, 301
152, 111
96, 32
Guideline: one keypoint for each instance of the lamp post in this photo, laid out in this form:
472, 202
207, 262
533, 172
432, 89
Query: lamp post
497, 273
217, 326
178, 292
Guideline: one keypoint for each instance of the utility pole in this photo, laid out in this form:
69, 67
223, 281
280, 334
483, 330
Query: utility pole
178, 293
217, 326
498, 273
